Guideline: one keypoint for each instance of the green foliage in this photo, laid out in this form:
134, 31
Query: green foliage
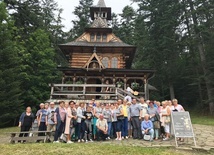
82, 12
39, 68
10, 101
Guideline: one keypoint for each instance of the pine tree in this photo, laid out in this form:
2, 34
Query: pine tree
11, 105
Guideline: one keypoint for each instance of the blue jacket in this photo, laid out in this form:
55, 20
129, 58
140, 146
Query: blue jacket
21, 119
146, 125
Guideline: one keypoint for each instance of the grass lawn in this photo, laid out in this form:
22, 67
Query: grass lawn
86, 149
203, 120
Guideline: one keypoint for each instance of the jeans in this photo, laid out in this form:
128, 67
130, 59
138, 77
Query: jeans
81, 130
151, 133
59, 130
136, 127
125, 127
109, 129
88, 129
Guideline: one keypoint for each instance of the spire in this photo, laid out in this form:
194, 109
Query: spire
101, 4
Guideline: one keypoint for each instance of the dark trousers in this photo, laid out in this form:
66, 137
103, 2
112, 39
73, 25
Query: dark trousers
59, 130
42, 127
119, 125
24, 129
81, 130
114, 128
101, 135
125, 127
136, 127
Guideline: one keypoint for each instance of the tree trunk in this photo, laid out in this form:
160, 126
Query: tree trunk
171, 89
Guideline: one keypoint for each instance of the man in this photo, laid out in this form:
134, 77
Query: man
135, 111
147, 127
144, 107
102, 127
51, 124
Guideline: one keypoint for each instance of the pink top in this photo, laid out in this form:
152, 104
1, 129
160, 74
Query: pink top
179, 108
62, 113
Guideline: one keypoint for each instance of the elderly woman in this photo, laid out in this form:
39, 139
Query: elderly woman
59, 120
147, 127
125, 111
154, 117
107, 115
165, 119
177, 107
81, 121
69, 116
26, 121
120, 116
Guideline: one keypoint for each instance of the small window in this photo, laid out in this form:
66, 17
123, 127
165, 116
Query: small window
98, 37
92, 37
104, 37
114, 62
105, 61
104, 15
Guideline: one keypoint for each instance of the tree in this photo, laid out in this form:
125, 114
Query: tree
40, 68
82, 13
11, 105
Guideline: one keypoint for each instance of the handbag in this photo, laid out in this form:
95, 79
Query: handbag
156, 125
63, 137
167, 119
146, 137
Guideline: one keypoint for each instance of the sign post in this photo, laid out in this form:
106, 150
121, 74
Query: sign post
182, 126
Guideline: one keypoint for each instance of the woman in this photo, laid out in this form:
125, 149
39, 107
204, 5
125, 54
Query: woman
165, 119
97, 111
88, 117
69, 116
114, 120
25, 122
59, 119
81, 121
154, 117
125, 111
107, 115
73, 122
119, 114
169, 103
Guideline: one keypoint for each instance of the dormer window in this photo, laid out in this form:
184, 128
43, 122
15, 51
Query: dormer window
92, 37
98, 37
114, 62
104, 14
104, 37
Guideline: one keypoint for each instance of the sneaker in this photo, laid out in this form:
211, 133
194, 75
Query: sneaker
108, 138
122, 137
91, 140
127, 137
56, 141
165, 139
82, 140
70, 142
116, 139
79, 141
86, 141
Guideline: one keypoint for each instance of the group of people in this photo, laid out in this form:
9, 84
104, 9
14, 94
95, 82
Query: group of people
86, 122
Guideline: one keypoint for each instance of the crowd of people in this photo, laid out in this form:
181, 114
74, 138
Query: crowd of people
86, 122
